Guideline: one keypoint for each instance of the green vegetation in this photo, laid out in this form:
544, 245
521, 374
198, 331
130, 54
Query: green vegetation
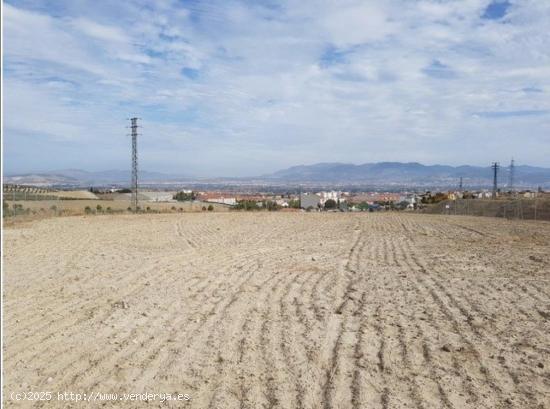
330, 204
247, 205
269, 205
210, 208
363, 206
294, 203
184, 197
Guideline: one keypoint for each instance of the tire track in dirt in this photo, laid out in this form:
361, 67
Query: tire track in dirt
485, 367
353, 277
127, 351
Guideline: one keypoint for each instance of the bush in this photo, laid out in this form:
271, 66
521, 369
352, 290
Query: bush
247, 205
108, 210
173, 208
88, 210
330, 204
204, 208
294, 204
210, 208
184, 197
99, 208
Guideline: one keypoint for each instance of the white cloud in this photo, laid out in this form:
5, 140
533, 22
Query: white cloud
259, 88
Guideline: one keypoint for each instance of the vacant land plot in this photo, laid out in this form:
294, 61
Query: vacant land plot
266, 310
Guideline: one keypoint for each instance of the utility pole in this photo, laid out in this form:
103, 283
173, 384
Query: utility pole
511, 181
134, 186
460, 185
495, 166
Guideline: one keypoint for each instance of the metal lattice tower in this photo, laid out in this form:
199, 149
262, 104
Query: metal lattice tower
134, 186
495, 166
512, 170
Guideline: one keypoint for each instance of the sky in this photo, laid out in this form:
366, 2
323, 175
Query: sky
241, 88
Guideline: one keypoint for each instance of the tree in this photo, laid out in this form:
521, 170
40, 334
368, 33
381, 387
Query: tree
99, 208
88, 210
210, 208
247, 205
184, 197
330, 204
294, 204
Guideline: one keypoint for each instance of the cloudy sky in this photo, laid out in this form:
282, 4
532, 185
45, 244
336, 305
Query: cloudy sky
234, 88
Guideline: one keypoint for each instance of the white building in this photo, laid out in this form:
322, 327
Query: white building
223, 200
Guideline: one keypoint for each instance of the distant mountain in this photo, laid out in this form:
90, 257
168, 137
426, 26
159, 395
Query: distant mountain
78, 177
379, 175
412, 173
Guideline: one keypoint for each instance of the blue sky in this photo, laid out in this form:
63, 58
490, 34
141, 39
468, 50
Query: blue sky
235, 88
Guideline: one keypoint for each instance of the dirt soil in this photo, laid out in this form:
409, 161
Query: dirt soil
268, 310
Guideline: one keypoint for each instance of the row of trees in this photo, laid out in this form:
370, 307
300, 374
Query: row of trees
108, 210
17, 209
253, 205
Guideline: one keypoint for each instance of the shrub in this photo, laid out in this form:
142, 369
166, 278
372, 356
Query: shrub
99, 208
330, 204
184, 197
204, 208
294, 204
247, 205
210, 208
88, 210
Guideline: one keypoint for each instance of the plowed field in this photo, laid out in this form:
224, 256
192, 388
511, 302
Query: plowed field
268, 310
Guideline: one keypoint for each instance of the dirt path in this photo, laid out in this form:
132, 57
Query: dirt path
280, 310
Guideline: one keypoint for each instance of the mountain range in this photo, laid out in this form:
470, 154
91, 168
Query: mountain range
412, 173
374, 174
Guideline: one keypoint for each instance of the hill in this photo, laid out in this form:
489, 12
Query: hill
411, 173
